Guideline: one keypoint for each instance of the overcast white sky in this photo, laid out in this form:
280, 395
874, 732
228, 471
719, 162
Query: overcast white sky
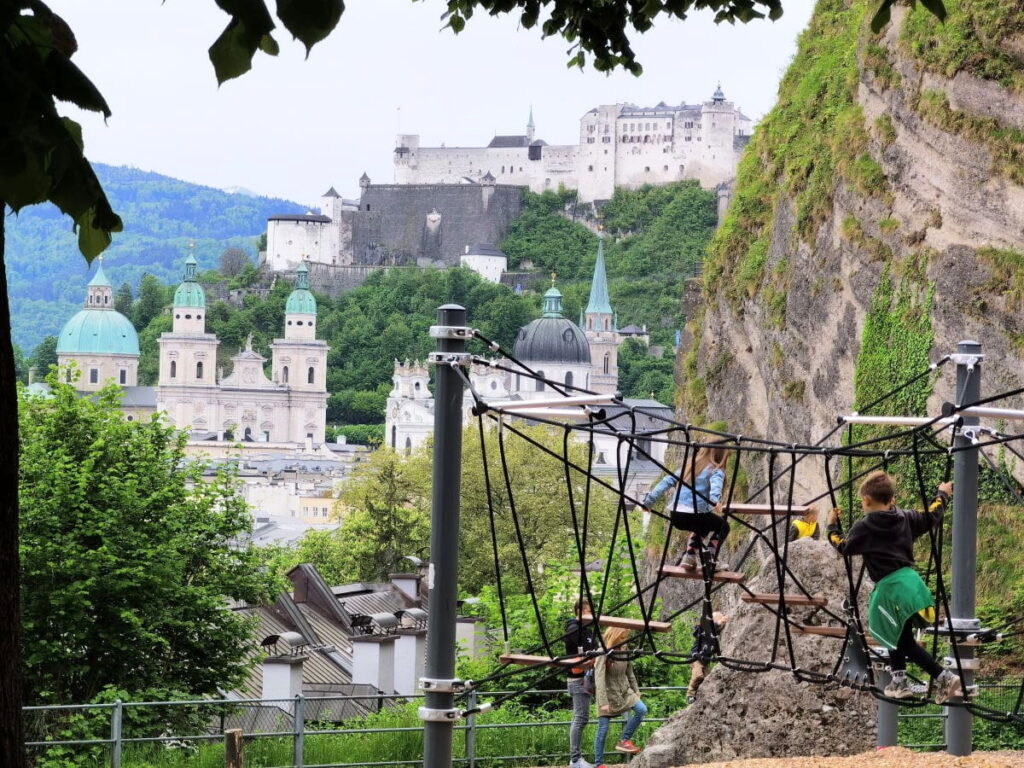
293, 127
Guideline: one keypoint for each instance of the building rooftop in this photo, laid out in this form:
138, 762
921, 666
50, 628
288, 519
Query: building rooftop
313, 217
505, 142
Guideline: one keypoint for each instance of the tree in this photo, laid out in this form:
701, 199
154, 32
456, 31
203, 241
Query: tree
44, 355
232, 261
42, 157
127, 555
152, 300
123, 300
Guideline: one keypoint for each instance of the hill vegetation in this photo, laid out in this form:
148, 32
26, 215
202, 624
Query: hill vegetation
46, 274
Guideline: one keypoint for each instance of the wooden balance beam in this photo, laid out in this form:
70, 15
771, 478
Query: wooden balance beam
634, 624
765, 598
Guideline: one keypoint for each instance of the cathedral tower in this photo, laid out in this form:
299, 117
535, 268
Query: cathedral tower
601, 329
188, 355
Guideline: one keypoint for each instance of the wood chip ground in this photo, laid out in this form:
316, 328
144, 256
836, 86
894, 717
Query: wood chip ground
891, 757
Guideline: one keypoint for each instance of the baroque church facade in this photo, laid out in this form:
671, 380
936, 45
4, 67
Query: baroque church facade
288, 407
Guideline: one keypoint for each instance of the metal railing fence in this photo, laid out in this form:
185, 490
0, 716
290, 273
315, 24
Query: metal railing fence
999, 696
128, 734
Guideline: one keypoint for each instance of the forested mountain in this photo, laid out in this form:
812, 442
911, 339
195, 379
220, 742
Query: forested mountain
46, 275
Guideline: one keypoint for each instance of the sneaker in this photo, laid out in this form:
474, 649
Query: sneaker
899, 689
718, 565
947, 686
627, 746
689, 561
581, 763
690, 699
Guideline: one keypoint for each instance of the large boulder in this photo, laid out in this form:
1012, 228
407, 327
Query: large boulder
742, 714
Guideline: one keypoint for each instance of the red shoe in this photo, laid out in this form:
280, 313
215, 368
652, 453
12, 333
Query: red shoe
627, 746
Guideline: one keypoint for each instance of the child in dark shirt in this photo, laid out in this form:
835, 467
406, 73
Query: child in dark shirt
884, 537
579, 639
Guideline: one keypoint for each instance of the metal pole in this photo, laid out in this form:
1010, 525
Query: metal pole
116, 717
299, 732
439, 713
471, 731
888, 723
965, 532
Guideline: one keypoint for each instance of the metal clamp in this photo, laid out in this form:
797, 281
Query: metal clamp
969, 360
437, 685
449, 358
456, 332
431, 715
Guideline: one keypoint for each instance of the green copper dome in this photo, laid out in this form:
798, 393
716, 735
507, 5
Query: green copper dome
190, 293
98, 331
301, 301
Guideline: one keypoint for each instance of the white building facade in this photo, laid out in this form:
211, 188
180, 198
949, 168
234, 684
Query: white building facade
620, 145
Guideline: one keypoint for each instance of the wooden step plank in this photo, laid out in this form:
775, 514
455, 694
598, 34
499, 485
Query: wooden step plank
807, 629
678, 572
538, 661
779, 510
637, 624
765, 598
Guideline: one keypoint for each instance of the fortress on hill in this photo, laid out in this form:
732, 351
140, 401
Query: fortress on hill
451, 204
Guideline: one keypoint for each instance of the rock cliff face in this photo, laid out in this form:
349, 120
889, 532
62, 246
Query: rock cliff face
878, 219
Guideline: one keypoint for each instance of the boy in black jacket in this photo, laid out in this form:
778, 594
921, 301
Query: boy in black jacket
579, 638
884, 537
705, 647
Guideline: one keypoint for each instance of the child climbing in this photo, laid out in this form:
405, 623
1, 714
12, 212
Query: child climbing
884, 537
617, 692
805, 527
697, 503
705, 647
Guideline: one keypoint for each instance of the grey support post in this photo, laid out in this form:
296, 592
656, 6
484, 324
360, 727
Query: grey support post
965, 533
439, 712
888, 713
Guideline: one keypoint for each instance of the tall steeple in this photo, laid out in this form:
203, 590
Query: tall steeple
530, 126
599, 315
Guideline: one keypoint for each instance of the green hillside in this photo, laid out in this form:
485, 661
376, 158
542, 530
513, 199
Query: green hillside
46, 273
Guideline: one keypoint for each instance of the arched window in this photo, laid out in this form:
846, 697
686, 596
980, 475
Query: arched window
607, 361
248, 434
284, 374
408, 446
394, 437
310, 375
94, 375
540, 381
174, 369
568, 380
199, 369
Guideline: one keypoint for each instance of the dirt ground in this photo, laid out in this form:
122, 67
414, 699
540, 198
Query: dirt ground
891, 757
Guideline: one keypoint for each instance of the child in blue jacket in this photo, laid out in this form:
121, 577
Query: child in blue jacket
697, 502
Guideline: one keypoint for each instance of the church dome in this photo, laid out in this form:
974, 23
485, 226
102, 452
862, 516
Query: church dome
552, 338
190, 293
98, 331
301, 301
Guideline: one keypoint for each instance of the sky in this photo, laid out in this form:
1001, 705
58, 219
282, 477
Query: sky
292, 127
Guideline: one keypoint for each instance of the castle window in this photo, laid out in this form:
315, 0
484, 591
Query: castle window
539, 384
310, 323
689, 138
590, 168
199, 369
106, 299
199, 317
416, 386
568, 380
188, 317
310, 375
394, 436
503, 169
94, 375
647, 169
408, 446
607, 361
289, 322
248, 434
367, 206
665, 168
177, 316
298, 322
174, 369
124, 376
284, 375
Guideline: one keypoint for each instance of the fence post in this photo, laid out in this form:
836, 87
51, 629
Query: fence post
233, 748
471, 729
115, 734
299, 732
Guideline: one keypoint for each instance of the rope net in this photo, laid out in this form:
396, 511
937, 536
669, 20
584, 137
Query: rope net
841, 458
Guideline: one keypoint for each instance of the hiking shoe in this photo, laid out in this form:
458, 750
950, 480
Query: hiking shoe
690, 699
899, 689
947, 686
627, 746
689, 561
581, 763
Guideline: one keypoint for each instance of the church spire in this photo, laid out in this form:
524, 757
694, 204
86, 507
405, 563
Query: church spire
530, 126
599, 307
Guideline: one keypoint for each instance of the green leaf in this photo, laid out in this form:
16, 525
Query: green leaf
68, 83
232, 52
882, 16
269, 45
310, 21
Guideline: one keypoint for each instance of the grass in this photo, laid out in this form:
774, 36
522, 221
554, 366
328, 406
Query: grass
1007, 268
